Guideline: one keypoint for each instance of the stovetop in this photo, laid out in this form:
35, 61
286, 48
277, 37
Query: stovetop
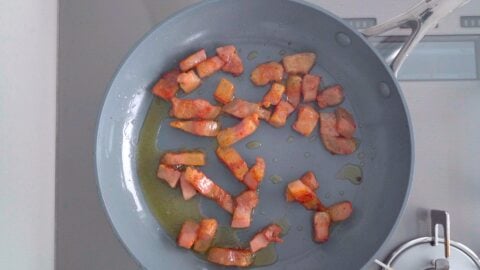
94, 37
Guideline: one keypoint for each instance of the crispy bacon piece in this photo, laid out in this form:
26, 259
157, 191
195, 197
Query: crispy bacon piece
266, 236
167, 86
267, 72
340, 211
206, 128
241, 109
279, 116
245, 128
230, 256
310, 87
274, 95
304, 195
321, 226
294, 89
209, 67
331, 139
244, 204
209, 189
255, 175
307, 119
191, 158
233, 62
331, 96
299, 63
193, 60
232, 159
188, 191
310, 180
225, 91
169, 174
189, 81
193, 109
345, 124
188, 234
206, 233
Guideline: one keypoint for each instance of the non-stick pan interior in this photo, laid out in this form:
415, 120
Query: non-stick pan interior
262, 31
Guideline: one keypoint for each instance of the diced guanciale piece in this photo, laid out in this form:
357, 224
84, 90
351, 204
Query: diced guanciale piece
209, 189
193, 60
300, 63
280, 114
321, 226
294, 89
331, 139
244, 204
270, 234
188, 191
241, 109
206, 233
225, 91
266, 73
274, 95
167, 86
206, 128
331, 96
230, 256
191, 158
307, 119
169, 174
288, 196
345, 124
255, 175
310, 180
188, 234
340, 211
232, 159
233, 62
189, 81
304, 195
193, 109
310, 85
245, 128
209, 67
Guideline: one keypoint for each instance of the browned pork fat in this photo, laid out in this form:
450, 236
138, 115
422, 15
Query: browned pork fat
294, 89
310, 86
280, 114
274, 95
270, 234
245, 128
345, 124
193, 109
188, 158
233, 62
206, 233
304, 195
300, 63
167, 86
189, 81
244, 204
307, 119
169, 174
266, 73
209, 189
232, 159
331, 96
188, 234
321, 227
255, 175
193, 60
209, 67
225, 91
340, 211
206, 128
241, 108
310, 180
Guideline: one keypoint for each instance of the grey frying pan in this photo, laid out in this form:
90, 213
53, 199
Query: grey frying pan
133, 132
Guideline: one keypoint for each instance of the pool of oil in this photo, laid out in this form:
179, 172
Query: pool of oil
167, 204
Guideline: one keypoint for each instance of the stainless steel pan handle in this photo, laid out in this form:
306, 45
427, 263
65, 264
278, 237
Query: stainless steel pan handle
420, 18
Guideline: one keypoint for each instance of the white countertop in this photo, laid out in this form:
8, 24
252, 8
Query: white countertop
28, 49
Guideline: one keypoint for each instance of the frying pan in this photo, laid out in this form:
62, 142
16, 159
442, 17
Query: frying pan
127, 155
